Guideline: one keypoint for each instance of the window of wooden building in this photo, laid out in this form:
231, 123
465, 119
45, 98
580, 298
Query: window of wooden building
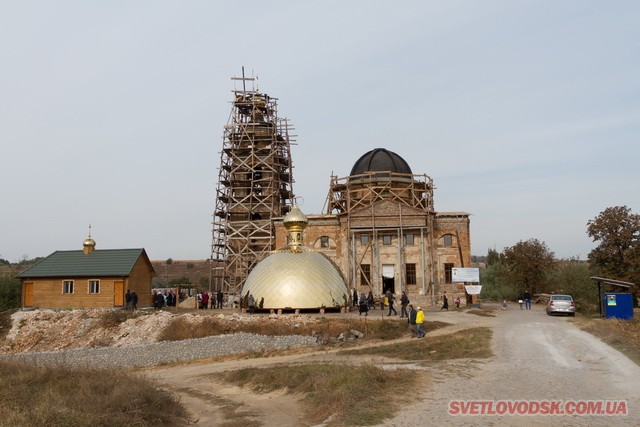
67, 286
94, 286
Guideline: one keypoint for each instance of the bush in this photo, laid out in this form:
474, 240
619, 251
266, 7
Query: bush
573, 277
494, 284
9, 293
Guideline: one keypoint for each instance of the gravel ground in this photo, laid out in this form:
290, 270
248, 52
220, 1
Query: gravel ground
156, 353
537, 357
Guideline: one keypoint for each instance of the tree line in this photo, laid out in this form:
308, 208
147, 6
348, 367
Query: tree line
532, 265
528, 264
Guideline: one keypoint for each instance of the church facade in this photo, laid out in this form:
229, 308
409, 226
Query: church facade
381, 229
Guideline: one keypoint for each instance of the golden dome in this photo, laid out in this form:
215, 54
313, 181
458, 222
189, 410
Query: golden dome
89, 242
296, 277
295, 219
296, 280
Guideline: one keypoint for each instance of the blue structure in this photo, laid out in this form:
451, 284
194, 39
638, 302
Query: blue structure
618, 306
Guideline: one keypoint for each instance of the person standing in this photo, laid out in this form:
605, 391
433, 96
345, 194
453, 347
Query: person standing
134, 300
412, 321
251, 303
355, 297
420, 322
219, 297
527, 299
205, 300
445, 302
362, 305
127, 299
390, 299
404, 300
371, 303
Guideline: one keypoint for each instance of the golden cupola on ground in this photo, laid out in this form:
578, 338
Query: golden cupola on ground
296, 277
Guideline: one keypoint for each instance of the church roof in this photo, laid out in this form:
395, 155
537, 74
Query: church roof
380, 159
99, 263
297, 280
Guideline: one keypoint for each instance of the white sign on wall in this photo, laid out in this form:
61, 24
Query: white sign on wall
465, 275
473, 289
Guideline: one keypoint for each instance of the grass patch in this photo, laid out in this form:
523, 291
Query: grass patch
623, 335
181, 328
341, 394
470, 343
484, 312
113, 318
38, 396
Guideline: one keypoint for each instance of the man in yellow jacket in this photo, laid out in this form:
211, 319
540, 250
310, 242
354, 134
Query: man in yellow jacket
419, 322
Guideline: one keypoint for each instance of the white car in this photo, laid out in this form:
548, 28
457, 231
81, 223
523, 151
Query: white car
561, 304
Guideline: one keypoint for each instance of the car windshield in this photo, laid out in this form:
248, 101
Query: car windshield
561, 298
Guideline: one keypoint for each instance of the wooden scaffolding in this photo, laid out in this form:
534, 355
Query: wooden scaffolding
255, 184
357, 192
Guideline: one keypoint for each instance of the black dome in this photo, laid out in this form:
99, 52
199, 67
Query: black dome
380, 159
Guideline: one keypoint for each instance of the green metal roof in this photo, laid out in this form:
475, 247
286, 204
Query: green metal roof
104, 262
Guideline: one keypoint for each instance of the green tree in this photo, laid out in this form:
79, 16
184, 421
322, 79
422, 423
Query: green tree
528, 264
573, 277
618, 253
495, 283
9, 293
494, 257
180, 281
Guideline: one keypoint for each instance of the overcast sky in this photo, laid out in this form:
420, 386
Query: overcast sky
526, 114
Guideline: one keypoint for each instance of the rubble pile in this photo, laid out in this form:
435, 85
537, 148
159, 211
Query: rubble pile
46, 330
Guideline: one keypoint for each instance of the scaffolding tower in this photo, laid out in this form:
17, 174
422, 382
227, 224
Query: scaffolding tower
356, 192
255, 185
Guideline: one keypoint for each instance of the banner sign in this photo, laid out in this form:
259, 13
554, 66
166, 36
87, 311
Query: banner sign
465, 275
473, 289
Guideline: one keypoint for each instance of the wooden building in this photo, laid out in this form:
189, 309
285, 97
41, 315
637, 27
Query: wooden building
87, 278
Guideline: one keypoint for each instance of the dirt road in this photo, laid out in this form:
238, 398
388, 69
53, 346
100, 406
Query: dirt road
537, 357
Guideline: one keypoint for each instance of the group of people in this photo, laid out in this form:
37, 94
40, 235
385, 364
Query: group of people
131, 300
416, 322
525, 299
366, 303
214, 300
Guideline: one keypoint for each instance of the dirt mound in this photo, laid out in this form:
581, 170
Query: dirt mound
44, 330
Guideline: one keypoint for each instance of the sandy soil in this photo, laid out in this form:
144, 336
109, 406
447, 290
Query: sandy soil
206, 397
537, 357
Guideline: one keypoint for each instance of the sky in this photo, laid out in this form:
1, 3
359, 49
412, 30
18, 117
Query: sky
526, 114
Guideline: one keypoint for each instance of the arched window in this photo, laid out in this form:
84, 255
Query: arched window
324, 242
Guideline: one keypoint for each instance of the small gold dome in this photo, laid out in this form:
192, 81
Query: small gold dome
295, 219
89, 242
